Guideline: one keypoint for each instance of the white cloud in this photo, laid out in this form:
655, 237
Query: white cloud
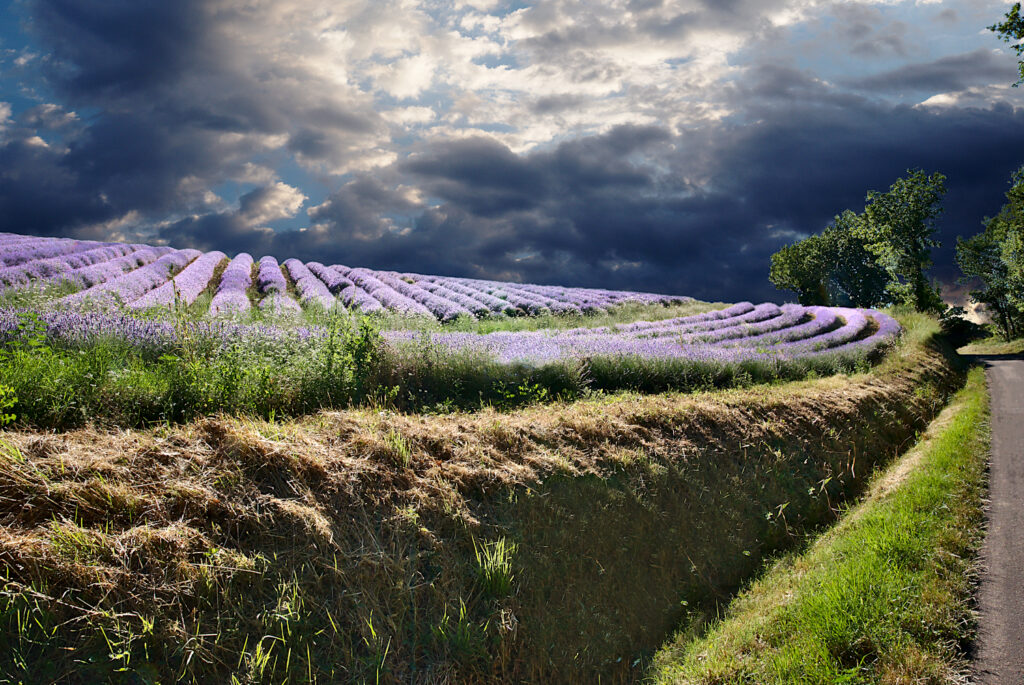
406, 78
975, 96
270, 203
409, 116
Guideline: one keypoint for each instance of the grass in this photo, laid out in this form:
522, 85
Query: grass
994, 345
884, 597
554, 543
107, 379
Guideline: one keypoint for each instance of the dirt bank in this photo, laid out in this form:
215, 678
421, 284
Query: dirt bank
556, 543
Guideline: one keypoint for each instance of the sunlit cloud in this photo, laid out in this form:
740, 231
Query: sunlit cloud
606, 140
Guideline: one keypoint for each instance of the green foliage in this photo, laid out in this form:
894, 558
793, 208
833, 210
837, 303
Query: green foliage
995, 258
1011, 30
7, 401
872, 259
494, 566
833, 267
898, 228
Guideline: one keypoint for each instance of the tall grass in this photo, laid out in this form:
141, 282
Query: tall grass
105, 378
883, 598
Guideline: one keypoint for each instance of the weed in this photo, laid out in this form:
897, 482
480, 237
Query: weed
7, 401
494, 566
398, 449
461, 637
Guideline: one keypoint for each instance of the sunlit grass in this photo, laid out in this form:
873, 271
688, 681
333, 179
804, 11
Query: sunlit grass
883, 597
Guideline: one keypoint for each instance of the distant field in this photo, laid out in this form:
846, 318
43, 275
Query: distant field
132, 334
994, 346
143, 277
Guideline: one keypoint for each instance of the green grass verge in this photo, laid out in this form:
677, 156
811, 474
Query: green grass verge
994, 345
883, 597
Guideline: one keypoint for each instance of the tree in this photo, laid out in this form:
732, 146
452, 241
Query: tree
833, 267
898, 228
1011, 29
803, 268
980, 257
871, 259
995, 257
1009, 224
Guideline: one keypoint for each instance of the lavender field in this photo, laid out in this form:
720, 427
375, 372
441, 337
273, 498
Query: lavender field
140, 333
144, 277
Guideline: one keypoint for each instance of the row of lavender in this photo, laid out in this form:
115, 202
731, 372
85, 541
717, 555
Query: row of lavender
142, 277
738, 333
743, 331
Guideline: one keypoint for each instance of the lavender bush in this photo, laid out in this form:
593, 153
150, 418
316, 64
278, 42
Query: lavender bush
186, 286
232, 295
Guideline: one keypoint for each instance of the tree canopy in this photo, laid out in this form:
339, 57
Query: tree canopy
833, 267
1011, 30
898, 228
995, 259
872, 259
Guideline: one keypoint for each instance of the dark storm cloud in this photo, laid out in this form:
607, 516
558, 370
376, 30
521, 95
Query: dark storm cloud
586, 214
946, 74
117, 48
37, 193
176, 99
222, 231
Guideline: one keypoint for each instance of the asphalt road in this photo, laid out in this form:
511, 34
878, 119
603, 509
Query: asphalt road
1000, 650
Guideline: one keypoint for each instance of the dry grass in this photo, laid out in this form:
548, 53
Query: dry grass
345, 545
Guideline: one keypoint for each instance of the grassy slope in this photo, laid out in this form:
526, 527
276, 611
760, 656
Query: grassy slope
116, 382
994, 345
881, 598
367, 545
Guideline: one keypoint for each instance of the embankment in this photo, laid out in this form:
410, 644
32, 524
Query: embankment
556, 543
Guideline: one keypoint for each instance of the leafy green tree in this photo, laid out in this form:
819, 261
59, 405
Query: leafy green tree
995, 257
832, 267
1011, 30
898, 228
980, 257
1009, 226
803, 268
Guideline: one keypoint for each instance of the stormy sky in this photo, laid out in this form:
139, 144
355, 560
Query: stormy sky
660, 145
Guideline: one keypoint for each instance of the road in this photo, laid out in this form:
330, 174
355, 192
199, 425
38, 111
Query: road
1000, 648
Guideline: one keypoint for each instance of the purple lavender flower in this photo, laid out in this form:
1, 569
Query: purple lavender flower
232, 292
186, 286
134, 284
269, 278
387, 296
312, 290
